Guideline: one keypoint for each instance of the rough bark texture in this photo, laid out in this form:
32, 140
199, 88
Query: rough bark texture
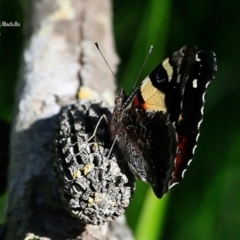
59, 56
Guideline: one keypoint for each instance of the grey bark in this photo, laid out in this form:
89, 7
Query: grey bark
58, 57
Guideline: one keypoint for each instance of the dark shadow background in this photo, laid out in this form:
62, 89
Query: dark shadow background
206, 205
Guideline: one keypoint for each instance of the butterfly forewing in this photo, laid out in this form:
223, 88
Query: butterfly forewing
200, 73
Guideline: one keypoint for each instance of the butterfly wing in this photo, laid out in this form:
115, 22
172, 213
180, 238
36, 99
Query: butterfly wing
198, 76
151, 147
145, 136
162, 116
183, 79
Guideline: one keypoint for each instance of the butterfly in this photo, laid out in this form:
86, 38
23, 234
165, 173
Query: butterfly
156, 127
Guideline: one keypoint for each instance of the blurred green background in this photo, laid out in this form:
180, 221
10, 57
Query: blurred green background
206, 205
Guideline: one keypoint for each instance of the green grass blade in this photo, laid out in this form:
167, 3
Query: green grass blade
153, 30
151, 221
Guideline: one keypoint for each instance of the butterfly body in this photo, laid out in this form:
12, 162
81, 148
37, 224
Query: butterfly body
156, 128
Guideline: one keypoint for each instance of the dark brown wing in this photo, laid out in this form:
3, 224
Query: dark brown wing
151, 147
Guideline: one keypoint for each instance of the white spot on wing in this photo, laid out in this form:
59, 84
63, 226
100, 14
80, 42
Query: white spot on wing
193, 151
197, 136
207, 84
202, 110
197, 58
199, 123
183, 172
170, 186
181, 104
183, 91
189, 162
168, 68
194, 83
178, 78
203, 97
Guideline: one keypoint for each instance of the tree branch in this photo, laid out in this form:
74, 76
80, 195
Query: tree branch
59, 51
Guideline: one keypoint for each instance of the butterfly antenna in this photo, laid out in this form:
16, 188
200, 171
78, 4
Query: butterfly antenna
149, 52
97, 46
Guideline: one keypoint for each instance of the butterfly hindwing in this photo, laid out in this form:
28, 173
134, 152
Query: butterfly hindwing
148, 142
152, 136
